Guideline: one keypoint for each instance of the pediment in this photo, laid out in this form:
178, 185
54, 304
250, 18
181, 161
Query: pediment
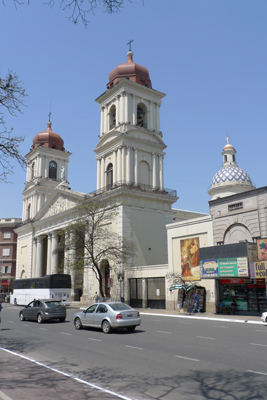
58, 203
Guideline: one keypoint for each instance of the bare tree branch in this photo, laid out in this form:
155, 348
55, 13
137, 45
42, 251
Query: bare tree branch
11, 99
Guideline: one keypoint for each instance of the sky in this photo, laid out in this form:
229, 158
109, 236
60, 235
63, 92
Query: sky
208, 56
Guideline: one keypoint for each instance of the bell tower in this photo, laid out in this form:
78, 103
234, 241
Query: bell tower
130, 150
47, 168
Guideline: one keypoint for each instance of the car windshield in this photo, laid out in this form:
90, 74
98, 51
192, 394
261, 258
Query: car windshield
53, 303
120, 307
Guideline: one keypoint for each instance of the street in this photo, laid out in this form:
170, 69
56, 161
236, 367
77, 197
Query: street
165, 358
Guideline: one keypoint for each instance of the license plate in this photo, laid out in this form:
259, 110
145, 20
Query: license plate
129, 315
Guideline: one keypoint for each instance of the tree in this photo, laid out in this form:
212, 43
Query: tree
12, 96
80, 9
92, 240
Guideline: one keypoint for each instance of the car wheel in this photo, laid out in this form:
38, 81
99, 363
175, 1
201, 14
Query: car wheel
39, 318
131, 328
62, 319
78, 323
21, 316
106, 328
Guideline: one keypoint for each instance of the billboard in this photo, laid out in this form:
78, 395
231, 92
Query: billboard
262, 249
224, 268
190, 266
258, 270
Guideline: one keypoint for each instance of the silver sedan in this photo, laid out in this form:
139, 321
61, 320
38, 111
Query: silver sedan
108, 316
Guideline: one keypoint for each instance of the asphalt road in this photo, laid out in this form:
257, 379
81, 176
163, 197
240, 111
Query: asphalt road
164, 359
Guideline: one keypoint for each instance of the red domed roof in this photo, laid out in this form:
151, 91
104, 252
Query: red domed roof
130, 70
49, 139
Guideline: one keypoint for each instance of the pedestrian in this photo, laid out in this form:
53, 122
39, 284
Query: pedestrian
196, 303
96, 297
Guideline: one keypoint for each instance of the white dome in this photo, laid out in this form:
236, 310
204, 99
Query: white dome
231, 175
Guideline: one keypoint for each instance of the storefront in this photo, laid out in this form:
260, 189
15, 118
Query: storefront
238, 275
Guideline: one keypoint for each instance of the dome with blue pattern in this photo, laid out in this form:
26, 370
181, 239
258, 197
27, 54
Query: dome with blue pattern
230, 179
231, 174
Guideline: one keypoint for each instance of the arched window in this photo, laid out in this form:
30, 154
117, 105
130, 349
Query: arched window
109, 175
53, 170
144, 173
141, 115
112, 117
225, 158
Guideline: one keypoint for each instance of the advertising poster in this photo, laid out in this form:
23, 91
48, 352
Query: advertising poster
190, 268
262, 249
260, 269
226, 267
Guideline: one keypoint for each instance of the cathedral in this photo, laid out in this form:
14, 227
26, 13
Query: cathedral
219, 251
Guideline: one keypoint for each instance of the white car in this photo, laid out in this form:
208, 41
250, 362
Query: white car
264, 317
108, 316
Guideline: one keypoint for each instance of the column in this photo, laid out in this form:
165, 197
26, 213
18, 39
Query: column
46, 167
128, 171
154, 171
122, 107
54, 253
102, 183
136, 166
114, 166
134, 111
151, 125
161, 183
157, 114
126, 108
102, 121
105, 119
98, 175
49, 249
34, 252
119, 165
39, 257
123, 166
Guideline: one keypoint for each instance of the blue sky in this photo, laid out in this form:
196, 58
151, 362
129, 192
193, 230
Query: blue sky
208, 56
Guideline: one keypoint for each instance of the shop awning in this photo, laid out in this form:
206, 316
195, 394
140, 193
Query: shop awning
182, 286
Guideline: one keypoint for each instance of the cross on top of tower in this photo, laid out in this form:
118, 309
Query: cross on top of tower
130, 44
227, 139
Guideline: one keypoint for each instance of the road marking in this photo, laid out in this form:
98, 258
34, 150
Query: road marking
68, 375
44, 329
68, 334
11, 322
257, 372
132, 347
24, 324
220, 326
3, 396
204, 337
164, 332
96, 340
187, 358
258, 344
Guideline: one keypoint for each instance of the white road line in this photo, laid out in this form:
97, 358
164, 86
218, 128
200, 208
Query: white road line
11, 322
24, 324
204, 337
258, 344
96, 340
68, 334
3, 396
257, 372
220, 326
44, 329
164, 332
187, 358
68, 375
132, 347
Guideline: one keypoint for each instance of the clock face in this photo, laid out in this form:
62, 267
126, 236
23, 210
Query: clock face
53, 164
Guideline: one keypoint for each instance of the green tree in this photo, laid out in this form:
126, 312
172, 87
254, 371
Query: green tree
92, 240
12, 96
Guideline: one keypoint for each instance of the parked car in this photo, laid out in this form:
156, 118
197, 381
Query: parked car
43, 310
264, 317
108, 316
